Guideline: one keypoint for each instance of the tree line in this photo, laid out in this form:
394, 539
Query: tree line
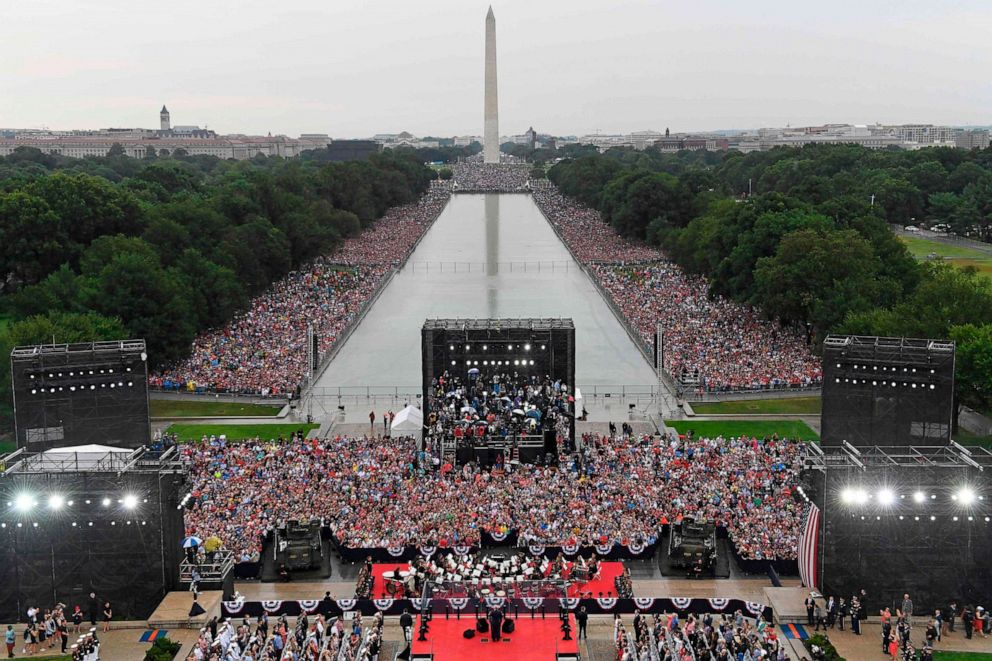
804, 235
165, 248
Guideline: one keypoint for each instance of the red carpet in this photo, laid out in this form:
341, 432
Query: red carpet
533, 640
379, 586
607, 572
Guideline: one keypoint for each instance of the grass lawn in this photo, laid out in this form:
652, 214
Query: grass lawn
759, 428
184, 408
798, 405
959, 255
961, 656
967, 438
237, 432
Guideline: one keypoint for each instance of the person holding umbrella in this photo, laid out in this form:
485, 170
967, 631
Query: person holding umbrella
190, 545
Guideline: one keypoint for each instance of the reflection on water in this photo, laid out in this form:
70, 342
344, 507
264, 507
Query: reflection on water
486, 256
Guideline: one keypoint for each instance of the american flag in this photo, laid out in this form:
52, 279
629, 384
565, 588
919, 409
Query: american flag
809, 547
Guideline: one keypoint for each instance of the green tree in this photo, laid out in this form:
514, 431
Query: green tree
973, 366
817, 276
445, 174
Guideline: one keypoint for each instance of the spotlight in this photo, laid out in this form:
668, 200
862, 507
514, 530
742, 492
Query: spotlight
55, 502
484, 347
919, 497
24, 502
105, 502
526, 347
452, 362
886, 497
966, 496
452, 347
467, 347
532, 362
130, 501
854, 496
542, 347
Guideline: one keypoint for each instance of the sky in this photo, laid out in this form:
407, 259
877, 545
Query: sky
353, 68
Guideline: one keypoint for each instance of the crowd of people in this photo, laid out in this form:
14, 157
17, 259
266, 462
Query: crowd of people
709, 340
54, 628
493, 404
313, 638
377, 494
490, 177
711, 343
263, 349
665, 637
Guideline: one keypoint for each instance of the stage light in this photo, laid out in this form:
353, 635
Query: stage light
485, 362
886, 497
509, 346
853, 496
919, 497
532, 362
130, 501
34, 391
55, 502
105, 502
467, 347
966, 496
526, 347
24, 502
542, 347
484, 347
933, 518
516, 362
452, 347
452, 362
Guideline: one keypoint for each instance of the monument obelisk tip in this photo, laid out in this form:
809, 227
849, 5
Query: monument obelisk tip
490, 147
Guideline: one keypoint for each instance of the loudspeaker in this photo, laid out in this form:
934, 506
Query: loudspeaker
482, 625
469, 633
508, 626
550, 442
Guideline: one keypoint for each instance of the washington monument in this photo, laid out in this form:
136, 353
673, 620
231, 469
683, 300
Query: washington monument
490, 139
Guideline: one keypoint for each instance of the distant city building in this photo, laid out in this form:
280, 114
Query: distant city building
137, 143
972, 139
352, 150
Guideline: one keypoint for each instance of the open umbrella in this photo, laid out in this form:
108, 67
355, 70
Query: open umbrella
518, 411
468, 409
474, 370
192, 542
534, 413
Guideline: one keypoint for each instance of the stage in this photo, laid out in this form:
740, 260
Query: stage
604, 586
532, 640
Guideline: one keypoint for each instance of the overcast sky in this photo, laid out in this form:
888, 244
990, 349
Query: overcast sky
352, 68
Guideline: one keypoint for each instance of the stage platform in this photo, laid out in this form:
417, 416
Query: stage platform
787, 602
532, 640
173, 612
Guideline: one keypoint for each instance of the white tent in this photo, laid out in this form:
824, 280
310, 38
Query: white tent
80, 457
409, 421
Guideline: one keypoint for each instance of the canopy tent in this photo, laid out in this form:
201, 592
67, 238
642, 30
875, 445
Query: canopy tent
82, 457
409, 421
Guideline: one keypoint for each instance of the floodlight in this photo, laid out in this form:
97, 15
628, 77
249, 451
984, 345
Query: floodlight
886, 497
55, 501
526, 347
919, 497
130, 501
24, 502
966, 496
105, 502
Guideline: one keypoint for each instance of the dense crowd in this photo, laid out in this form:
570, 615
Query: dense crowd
709, 340
374, 493
313, 638
714, 341
490, 177
665, 637
263, 349
483, 405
